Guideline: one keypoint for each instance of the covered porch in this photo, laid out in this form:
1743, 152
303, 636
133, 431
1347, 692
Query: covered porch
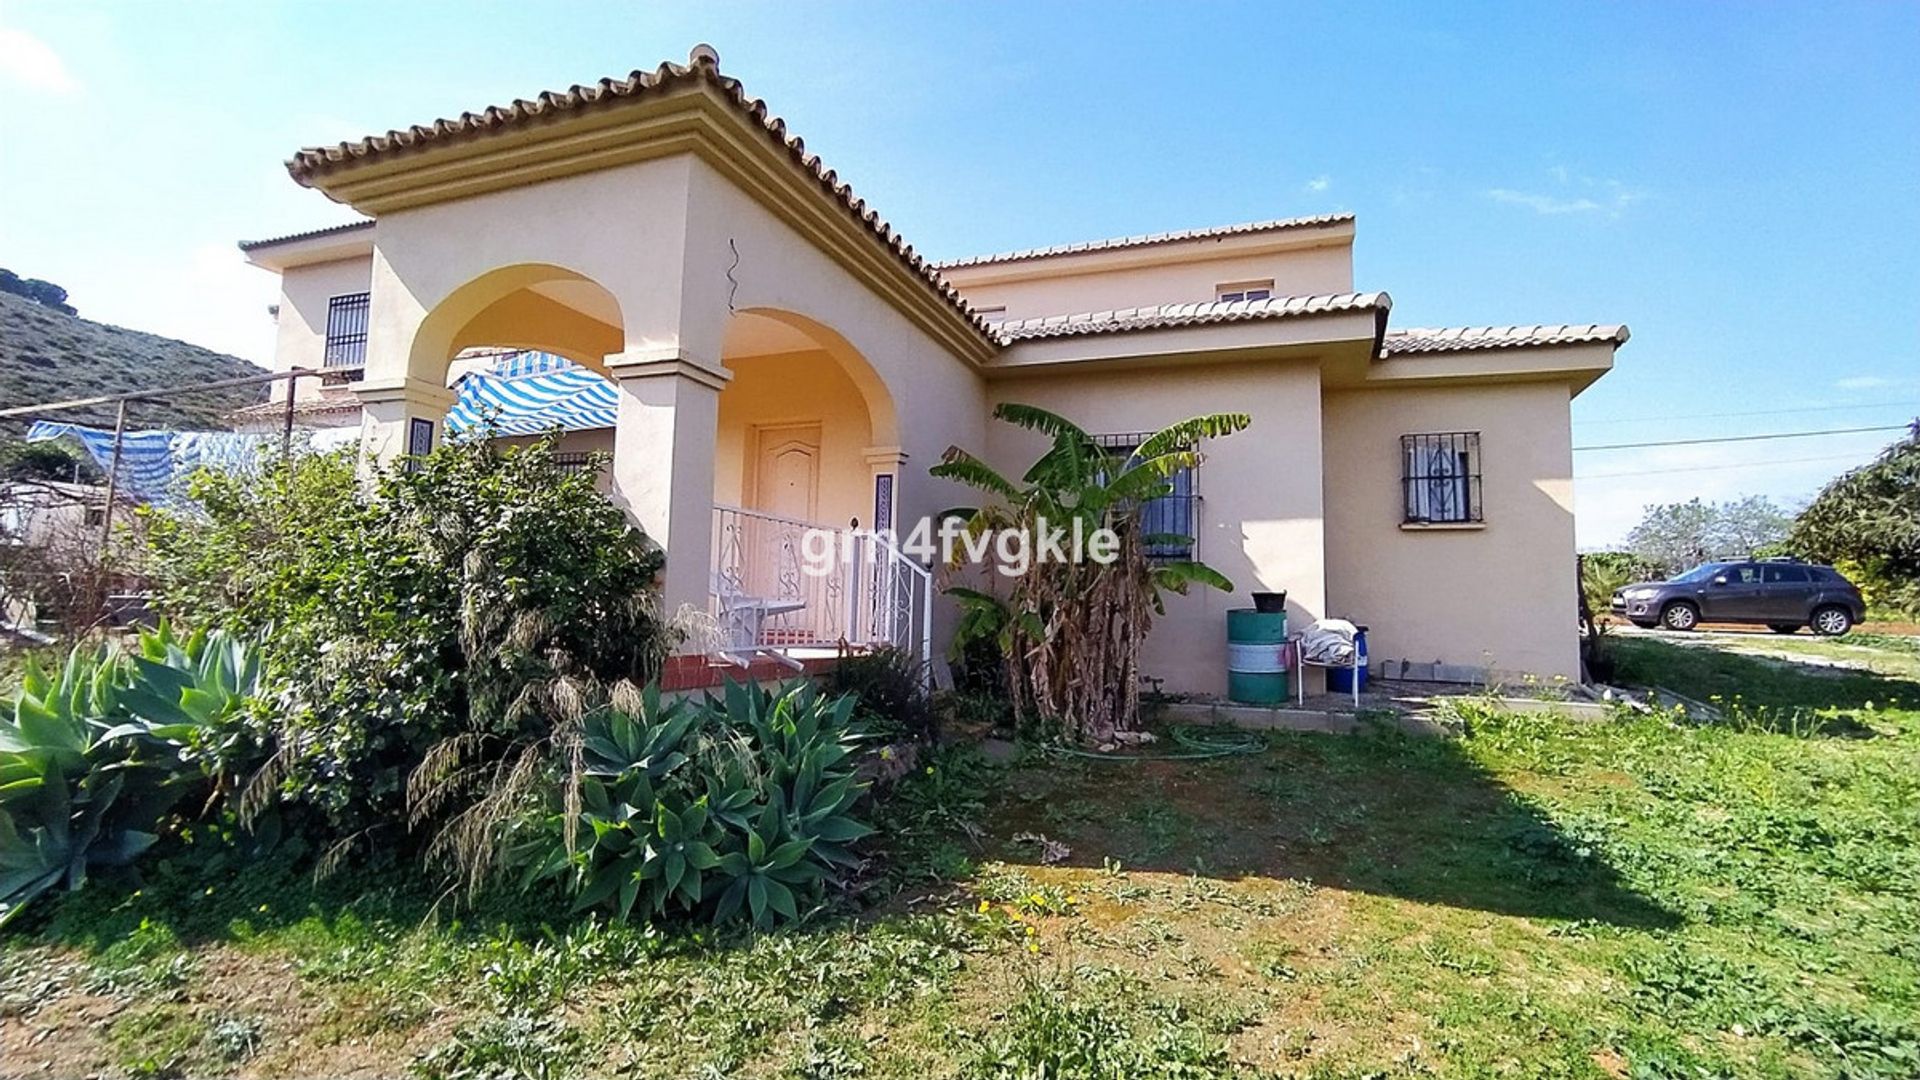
802, 564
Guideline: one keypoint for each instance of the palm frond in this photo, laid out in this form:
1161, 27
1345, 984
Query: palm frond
957, 464
1189, 433
1180, 575
1034, 418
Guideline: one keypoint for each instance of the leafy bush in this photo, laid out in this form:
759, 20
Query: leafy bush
1869, 520
707, 808
889, 688
1602, 573
452, 620
97, 754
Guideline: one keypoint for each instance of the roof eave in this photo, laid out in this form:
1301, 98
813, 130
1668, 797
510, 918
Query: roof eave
673, 110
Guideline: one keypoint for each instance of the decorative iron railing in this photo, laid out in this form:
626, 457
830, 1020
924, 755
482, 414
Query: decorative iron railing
781, 584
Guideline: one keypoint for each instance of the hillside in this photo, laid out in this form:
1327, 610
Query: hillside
48, 356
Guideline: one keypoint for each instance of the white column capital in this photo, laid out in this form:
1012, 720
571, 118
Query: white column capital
884, 456
662, 363
408, 391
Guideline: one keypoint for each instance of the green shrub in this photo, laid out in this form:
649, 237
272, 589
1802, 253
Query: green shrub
706, 809
97, 754
889, 687
452, 620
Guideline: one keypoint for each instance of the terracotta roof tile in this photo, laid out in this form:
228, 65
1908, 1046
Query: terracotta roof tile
703, 68
310, 234
1168, 316
1119, 242
1469, 338
304, 407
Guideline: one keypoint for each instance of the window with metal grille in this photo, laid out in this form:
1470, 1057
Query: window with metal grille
1440, 478
572, 461
1170, 520
346, 355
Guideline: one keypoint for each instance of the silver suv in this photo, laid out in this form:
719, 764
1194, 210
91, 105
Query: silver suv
1782, 594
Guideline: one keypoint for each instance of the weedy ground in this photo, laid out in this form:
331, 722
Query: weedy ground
1642, 896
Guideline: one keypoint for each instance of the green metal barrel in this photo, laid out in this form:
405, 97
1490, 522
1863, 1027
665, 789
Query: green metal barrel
1257, 656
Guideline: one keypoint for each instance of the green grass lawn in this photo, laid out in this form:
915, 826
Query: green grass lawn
1536, 897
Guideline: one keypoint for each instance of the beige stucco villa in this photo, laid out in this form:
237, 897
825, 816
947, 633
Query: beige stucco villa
780, 355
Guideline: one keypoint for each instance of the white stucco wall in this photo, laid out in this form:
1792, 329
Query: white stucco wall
1500, 597
1307, 272
1259, 521
300, 338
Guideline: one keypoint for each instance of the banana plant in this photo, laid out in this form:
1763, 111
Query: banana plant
1070, 630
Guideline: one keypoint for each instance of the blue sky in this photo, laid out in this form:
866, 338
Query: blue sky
1738, 183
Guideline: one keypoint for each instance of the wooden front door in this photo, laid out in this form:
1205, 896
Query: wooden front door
787, 471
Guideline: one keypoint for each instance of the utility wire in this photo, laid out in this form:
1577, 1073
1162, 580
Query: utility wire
1756, 412
1717, 468
1745, 438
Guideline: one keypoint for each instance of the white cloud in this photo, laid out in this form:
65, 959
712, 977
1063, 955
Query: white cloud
1320, 183
1870, 382
1571, 193
27, 60
1543, 204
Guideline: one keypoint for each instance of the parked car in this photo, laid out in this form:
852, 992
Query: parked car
1782, 594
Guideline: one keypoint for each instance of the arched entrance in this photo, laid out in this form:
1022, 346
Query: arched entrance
805, 466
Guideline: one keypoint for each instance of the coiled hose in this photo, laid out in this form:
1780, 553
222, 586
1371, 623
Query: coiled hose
1197, 742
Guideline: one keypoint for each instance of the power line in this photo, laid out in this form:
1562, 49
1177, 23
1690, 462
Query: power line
1745, 438
1717, 468
1755, 412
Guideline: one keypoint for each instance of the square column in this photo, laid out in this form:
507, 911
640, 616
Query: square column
887, 464
400, 417
663, 445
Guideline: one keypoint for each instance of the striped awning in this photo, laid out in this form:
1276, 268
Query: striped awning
529, 394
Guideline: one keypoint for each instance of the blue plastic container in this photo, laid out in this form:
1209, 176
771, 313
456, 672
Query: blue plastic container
1340, 680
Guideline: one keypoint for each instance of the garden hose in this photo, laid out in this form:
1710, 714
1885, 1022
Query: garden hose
1199, 743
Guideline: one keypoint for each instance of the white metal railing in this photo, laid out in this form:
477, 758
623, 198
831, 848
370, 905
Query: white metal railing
768, 597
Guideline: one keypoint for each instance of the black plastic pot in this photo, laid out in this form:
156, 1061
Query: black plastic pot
1270, 603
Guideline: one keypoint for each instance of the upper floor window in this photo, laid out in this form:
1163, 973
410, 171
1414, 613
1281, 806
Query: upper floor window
1235, 292
1440, 478
346, 351
1169, 522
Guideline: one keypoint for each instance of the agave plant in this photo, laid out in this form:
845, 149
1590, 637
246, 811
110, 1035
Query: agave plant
1071, 630
96, 755
57, 719
707, 808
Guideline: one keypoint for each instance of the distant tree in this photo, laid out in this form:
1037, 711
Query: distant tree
44, 293
1751, 526
1674, 536
1869, 519
44, 461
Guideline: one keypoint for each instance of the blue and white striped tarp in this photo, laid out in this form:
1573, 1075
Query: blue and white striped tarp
154, 465
524, 394
510, 401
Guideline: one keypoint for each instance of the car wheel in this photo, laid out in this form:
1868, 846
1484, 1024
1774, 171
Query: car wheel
1680, 615
1784, 627
1832, 621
